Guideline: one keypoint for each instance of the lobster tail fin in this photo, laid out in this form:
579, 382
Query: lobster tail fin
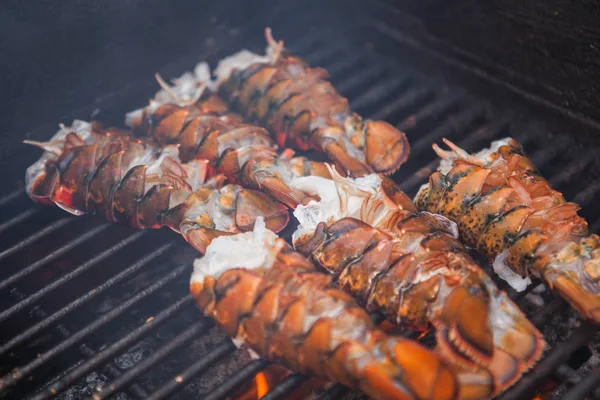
252, 204
488, 335
386, 148
345, 162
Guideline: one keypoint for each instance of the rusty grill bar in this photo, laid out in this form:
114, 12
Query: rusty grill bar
82, 294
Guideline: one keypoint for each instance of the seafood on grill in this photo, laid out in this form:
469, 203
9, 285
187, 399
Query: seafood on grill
506, 210
297, 103
273, 301
189, 116
86, 169
410, 266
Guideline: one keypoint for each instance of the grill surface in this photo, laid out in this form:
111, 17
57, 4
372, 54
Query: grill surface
92, 309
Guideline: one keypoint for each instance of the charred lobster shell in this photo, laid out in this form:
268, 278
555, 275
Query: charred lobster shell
411, 266
199, 123
297, 103
89, 170
505, 209
273, 301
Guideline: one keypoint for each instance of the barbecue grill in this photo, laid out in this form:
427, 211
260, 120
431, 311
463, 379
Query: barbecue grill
92, 309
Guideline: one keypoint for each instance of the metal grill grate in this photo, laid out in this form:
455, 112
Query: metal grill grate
100, 310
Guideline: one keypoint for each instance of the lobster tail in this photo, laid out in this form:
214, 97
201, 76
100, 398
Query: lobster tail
273, 301
199, 122
478, 328
410, 266
297, 103
103, 172
512, 215
574, 272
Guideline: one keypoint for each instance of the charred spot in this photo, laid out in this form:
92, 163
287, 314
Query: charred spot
222, 292
249, 72
254, 96
452, 179
261, 295
243, 317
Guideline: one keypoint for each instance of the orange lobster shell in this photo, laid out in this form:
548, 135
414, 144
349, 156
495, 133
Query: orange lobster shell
199, 123
410, 266
285, 311
297, 103
89, 170
507, 211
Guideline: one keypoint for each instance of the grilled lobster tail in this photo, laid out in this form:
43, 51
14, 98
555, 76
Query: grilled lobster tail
410, 266
89, 170
296, 102
199, 123
273, 301
507, 211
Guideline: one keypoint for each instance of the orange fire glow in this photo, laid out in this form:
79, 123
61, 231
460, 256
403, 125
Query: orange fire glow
262, 387
422, 335
261, 384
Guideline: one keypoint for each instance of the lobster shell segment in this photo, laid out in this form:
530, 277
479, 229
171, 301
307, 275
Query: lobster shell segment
301, 107
89, 170
512, 215
272, 300
411, 266
196, 120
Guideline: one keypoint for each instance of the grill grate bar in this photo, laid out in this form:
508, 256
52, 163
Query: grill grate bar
576, 167
319, 56
288, 385
18, 219
106, 354
540, 158
307, 42
336, 391
586, 386
343, 63
4, 315
431, 111
568, 375
413, 96
36, 236
52, 256
244, 375
27, 334
364, 75
87, 351
11, 196
461, 121
587, 195
179, 341
595, 226
529, 383
20, 373
197, 368
379, 91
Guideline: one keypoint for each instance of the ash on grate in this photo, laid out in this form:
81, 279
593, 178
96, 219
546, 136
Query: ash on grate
86, 387
213, 377
584, 359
